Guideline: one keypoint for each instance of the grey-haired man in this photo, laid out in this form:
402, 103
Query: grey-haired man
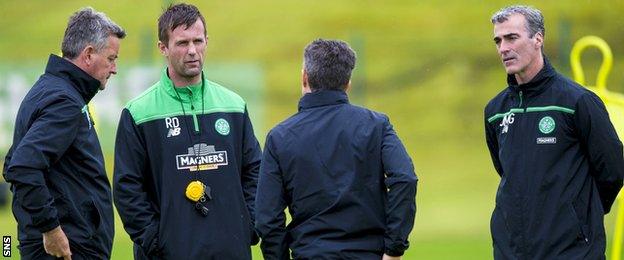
551, 141
62, 198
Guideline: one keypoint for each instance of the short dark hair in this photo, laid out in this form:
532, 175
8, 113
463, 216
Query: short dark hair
177, 15
328, 64
88, 27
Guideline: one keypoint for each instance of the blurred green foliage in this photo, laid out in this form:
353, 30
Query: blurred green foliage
430, 65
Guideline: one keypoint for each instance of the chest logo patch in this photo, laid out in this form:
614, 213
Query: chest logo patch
507, 120
173, 124
222, 126
547, 125
201, 157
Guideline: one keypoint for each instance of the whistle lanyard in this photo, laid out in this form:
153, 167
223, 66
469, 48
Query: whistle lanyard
196, 191
196, 174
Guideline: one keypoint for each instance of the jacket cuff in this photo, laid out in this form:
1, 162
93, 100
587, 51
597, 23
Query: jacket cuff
395, 253
48, 225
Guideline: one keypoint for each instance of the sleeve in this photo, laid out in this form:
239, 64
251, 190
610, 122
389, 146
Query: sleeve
46, 140
270, 205
129, 192
401, 184
602, 145
249, 176
492, 144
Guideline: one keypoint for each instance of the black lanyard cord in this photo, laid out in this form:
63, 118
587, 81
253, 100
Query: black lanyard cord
196, 175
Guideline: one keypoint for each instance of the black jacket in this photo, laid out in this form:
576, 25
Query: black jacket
346, 178
55, 164
561, 168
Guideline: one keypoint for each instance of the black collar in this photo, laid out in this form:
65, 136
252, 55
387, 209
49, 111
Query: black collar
536, 84
86, 85
323, 98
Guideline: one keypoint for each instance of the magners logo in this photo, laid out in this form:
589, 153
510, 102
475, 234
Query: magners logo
201, 157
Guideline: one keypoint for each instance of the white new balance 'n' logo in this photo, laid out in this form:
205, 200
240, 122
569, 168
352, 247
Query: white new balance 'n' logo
173, 124
507, 120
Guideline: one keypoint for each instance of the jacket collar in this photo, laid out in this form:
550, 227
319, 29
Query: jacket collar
86, 85
536, 84
184, 94
323, 98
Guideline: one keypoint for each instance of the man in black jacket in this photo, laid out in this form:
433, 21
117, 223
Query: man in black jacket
62, 199
555, 149
342, 171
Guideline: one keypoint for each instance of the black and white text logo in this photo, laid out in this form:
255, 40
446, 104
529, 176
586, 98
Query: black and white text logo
201, 157
6, 246
173, 124
508, 119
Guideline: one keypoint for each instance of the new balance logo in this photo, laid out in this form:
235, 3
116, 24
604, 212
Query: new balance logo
507, 120
173, 124
173, 132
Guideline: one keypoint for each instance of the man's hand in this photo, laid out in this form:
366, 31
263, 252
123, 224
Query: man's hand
56, 244
387, 257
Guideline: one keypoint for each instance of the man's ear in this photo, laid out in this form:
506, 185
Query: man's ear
304, 78
539, 40
305, 85
87, 55
162, 48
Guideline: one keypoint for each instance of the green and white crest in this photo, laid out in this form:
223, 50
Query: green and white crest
222, 126
547, 125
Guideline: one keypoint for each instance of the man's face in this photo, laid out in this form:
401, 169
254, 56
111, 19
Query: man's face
104, 61
519, 52
185, 50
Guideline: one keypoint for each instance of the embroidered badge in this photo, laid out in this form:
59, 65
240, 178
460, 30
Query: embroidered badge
222, 126
546, 125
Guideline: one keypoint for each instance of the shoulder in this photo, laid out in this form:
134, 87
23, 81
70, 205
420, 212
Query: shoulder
50, 90
223, 98
569, 88
147, 101
496, 103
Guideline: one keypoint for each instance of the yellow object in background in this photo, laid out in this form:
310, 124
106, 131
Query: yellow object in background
615, 105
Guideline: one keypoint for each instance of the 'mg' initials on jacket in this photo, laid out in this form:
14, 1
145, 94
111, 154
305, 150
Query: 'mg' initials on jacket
561, 167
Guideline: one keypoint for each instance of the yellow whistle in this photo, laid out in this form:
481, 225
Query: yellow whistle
195, 190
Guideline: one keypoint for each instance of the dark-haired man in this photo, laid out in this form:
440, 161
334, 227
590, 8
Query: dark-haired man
62, 199
341, 170
186, 158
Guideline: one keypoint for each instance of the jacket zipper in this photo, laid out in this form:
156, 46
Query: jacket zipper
195, 121
523, 241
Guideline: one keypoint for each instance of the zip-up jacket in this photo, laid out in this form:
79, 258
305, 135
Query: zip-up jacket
168, 137
346, 178
56, 168
561, 168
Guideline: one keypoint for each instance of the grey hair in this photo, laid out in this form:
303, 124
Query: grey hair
328, 64
533, 16
88, 27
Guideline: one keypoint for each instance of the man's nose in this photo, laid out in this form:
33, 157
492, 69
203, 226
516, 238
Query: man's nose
503, 48
192, 49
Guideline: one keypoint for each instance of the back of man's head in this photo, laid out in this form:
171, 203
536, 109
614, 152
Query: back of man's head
328, 64
88, 27
175, 16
